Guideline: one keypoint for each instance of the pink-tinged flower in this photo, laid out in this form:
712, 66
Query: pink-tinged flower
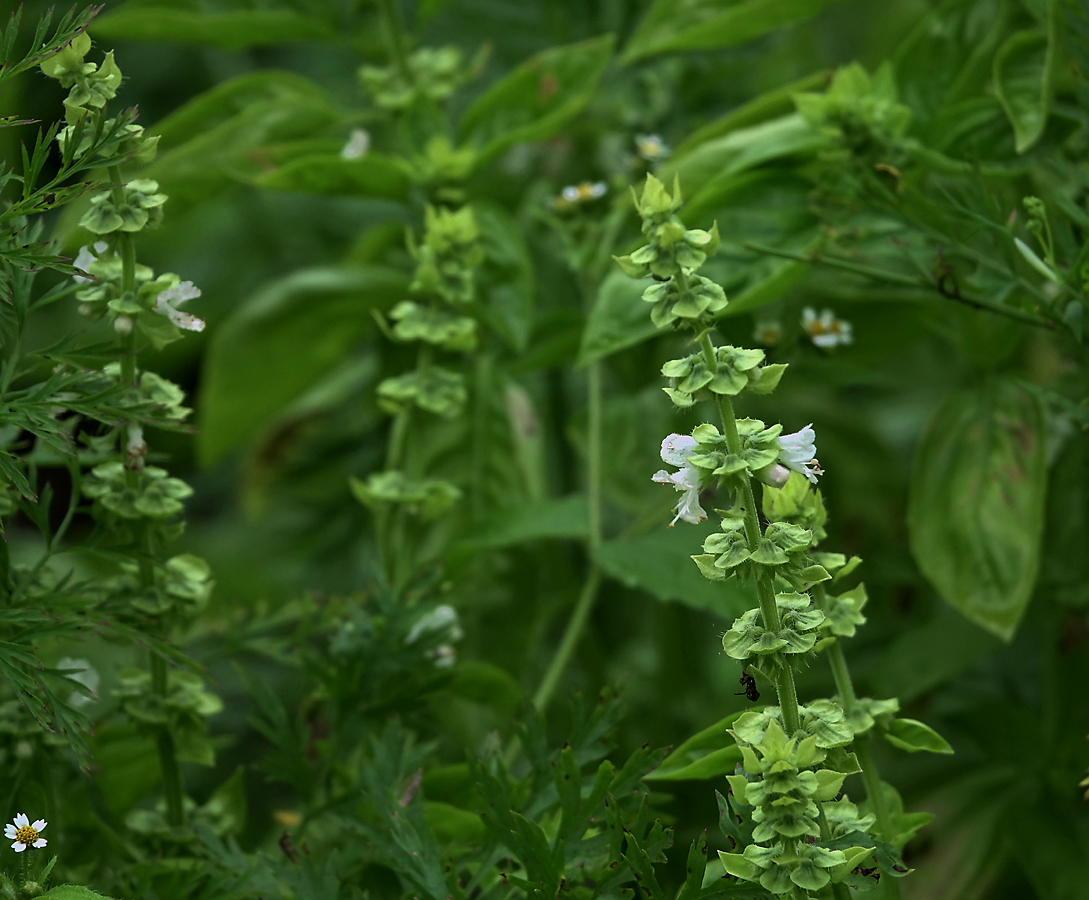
798, 452
826, 330
167, 303
23, 834
675, 451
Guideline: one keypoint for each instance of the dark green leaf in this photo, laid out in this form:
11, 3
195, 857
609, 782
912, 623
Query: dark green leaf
233, 29
619, 318
670, 26
975, 513
1023, 81
372, 175
280, 341
537, 98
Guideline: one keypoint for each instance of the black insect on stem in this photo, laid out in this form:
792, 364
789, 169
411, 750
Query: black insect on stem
749, 683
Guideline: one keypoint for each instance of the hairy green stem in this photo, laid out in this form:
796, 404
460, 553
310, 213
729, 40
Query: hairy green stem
784, 678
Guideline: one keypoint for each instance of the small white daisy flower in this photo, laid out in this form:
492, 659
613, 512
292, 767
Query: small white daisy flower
768, 332
798, 452
826, 330
359, 142
651, 147
23, 834
574, 194
675, 450
84, 259
167, 303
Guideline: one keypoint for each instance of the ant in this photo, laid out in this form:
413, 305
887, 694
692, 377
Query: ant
749, 683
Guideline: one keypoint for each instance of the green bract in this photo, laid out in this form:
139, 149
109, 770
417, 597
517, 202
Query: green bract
428, 497
434, 390
138, 206
133, 494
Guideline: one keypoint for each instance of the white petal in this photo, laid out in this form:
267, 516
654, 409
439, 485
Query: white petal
41, 842
178, 294
662, 477
598, 189
39, 825
808, 315
826, 340
570, 193
21, 821
689, 508
18, 847
9, 831
677, 448
359, 142
181, 319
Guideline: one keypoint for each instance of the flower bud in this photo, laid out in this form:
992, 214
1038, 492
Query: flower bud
773, 475
122, 325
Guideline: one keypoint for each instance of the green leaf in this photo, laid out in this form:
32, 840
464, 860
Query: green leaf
452, 824
562, 518
912, 735
975, 510
924, 657
227, 806
659, 564
71, 892
537, 98
710, 166
670, 26
212, 140
487, 684
231, 30
280, 341
220, 103
506, 276
1023, 76
707, 754
373, 175
619, 318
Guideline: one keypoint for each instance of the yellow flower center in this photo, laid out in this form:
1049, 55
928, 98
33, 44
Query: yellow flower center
586, 190
26, 835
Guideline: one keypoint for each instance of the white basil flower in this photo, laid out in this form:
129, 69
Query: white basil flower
84, 259
675, 451
24, 835
798, 452
167, 303
359, 142
826, 330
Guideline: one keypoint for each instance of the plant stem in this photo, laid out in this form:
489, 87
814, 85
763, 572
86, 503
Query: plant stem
871, 778
784, 678
168, 761
588, 595
396, 37
480, 433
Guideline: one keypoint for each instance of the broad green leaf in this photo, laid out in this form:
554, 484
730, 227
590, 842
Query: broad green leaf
912, 735
566, 517
488, 684
1023, 82
233, 29
707, 754
619, 318
71, 892
218, 104
452, 824
659, 564
207, 138
922, 658
975, 510
282, 340
670, 26
373, 175
537, 98
743, 149
506, 277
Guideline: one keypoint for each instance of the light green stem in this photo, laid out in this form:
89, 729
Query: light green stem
588, 595
784, 678
871, 778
